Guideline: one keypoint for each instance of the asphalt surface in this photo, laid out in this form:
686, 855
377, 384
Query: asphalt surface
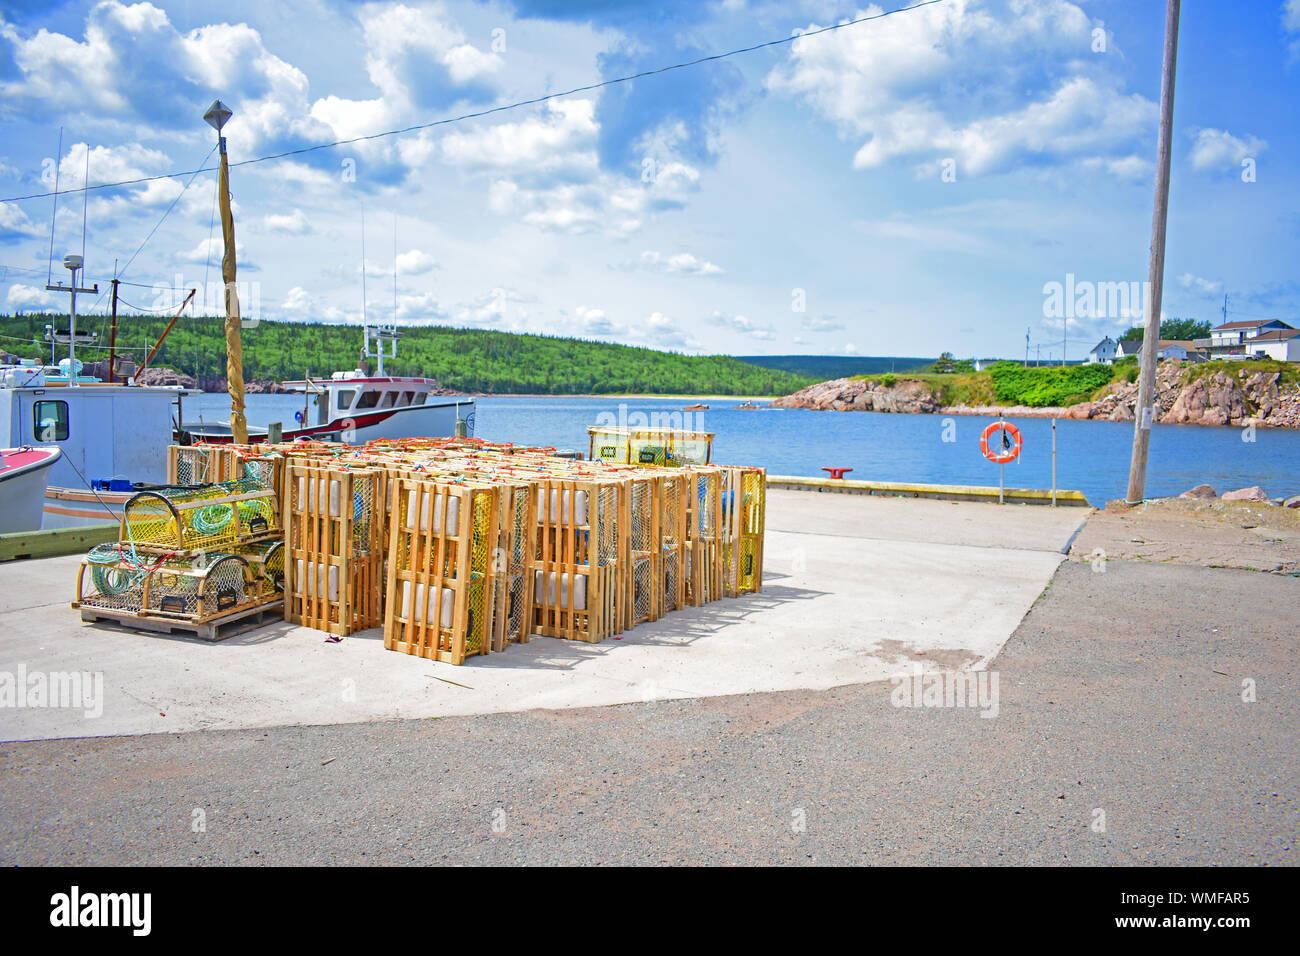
1120, 692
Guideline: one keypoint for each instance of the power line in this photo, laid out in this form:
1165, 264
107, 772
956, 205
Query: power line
491, 110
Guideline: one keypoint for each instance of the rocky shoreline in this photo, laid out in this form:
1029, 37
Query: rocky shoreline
1220, 398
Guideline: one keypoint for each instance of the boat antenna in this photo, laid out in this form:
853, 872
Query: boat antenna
363, 263
86, 183
394, 269
49, 271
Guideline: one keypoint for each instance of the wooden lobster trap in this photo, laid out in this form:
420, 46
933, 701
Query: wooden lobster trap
673, 447
580, 560
442, 538
704, 576
333, 569
743, 520
203, 464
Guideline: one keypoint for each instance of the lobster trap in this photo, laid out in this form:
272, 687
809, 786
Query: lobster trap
580, 561
743, 519
443, 539
649, 446
203, 464
197, 594
333, 569
207, 518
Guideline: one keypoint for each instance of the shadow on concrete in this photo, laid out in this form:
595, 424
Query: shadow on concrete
676, 629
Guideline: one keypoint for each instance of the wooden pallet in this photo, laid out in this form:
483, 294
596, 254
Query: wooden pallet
217, 628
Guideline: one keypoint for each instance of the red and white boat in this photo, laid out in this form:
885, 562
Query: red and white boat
24, 475
355, 407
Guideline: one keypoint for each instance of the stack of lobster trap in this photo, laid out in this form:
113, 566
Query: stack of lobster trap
456, 547
195, 557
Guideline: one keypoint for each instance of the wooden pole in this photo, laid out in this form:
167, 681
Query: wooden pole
234, 349
157, 345
112, 340
1143, 414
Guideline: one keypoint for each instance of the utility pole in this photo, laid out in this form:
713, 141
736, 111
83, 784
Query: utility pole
1137, 475
1225, 307
1026, 348
217, 116
112, 339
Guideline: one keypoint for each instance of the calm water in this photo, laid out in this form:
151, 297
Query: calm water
1092, 457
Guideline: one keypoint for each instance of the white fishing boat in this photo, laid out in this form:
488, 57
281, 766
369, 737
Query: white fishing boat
111, 438
24, 473
356, 407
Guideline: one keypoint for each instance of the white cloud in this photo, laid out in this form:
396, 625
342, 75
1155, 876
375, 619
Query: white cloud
132, 62
742, 325
298, 301
25, 296
824, 323
14, 223
560, 141
1217, 149
679, 263
414, 262
289, 224
418, 60
951, 82
1197, 284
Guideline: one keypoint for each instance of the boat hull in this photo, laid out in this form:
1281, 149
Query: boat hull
23, 482
416, 421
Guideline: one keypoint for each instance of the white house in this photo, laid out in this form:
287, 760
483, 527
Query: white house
1126, 347
1236, 335
1282, 345
1103, 353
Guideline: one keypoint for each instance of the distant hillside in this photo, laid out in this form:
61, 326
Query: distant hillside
822, 367
470, 360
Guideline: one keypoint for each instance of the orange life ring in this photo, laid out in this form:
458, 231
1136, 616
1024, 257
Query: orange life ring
1009, 451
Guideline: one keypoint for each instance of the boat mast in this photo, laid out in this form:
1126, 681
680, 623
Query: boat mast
217, 116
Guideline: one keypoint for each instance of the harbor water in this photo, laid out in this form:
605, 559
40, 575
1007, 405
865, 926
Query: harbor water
1092, 457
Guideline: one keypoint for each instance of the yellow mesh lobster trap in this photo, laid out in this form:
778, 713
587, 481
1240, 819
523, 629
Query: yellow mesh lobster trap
625, 445
207, 518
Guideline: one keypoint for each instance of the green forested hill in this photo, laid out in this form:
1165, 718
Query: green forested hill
467, 359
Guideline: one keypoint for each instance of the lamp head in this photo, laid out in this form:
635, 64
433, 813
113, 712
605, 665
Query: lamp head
218, 115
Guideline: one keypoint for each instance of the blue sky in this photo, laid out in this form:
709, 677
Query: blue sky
903, 186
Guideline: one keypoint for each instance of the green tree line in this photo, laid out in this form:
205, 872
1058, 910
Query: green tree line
471, 360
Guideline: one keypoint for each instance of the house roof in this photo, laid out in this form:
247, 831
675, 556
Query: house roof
1184, 343
1101, 343
1276, 335
1247, 324
1129, 346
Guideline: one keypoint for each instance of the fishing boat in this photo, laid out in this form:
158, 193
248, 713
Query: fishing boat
109, 439
24, 473
356, 407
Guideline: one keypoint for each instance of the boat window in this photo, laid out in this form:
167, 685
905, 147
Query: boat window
407, 397
368, 399
345, 397
389, 398
50, 421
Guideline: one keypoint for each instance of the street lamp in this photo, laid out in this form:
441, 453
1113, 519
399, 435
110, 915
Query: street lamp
217, 116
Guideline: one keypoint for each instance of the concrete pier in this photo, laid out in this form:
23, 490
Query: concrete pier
856, 589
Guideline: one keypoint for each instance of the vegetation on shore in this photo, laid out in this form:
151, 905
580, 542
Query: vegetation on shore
1009, 383
470, 360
